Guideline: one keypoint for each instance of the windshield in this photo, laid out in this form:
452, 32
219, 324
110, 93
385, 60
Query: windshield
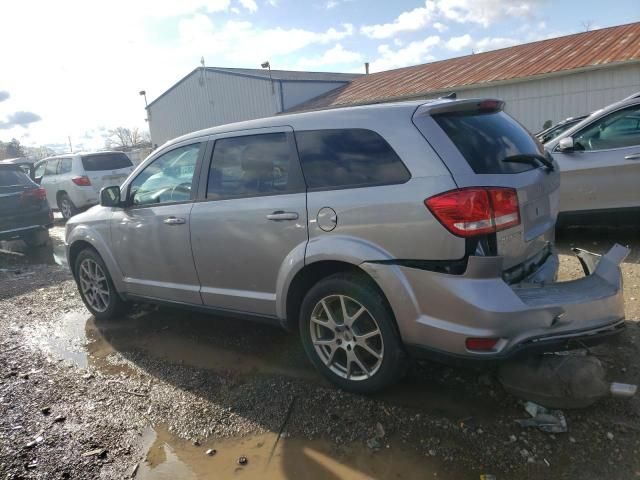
486, 139
106, 161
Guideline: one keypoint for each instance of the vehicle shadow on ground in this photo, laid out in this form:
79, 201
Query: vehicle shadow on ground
599, 240
253, 354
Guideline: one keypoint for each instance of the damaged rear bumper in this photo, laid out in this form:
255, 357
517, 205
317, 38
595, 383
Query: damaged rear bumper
436, 313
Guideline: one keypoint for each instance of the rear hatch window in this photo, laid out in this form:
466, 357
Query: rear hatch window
106, 161
486, 139
13, 176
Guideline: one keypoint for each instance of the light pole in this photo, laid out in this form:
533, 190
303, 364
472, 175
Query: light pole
268, 66
146, 105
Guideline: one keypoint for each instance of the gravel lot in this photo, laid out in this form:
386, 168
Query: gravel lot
148, 395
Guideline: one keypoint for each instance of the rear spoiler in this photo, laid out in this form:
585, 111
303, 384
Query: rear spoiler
472, 105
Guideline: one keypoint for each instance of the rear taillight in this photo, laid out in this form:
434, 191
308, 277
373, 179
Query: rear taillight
476, 211
34, 194
82, 181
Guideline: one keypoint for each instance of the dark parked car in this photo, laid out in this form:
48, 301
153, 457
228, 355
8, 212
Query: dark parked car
24, 211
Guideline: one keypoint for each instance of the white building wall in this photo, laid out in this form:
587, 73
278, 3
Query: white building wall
193, 104
533, 102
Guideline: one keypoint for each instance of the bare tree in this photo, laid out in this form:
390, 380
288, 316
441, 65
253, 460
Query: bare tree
587, 25
122, 138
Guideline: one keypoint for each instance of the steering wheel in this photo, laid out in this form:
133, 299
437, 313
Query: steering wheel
182, 188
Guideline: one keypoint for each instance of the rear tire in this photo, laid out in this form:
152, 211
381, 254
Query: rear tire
349, 333
96, 287
66, 206
39, 238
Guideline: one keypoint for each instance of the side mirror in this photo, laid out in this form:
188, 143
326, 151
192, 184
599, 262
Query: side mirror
566, 144
110, 196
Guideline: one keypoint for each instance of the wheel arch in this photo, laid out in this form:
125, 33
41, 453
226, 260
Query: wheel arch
82, 237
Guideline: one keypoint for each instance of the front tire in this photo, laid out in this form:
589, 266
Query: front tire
66, 206
96, 287
349, 333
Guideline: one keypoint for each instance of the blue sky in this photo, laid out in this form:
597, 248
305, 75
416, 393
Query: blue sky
80, 63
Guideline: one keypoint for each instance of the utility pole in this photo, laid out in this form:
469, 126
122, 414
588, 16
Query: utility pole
70, 145
146, 105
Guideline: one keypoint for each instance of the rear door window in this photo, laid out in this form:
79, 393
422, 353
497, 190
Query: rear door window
13, 176
486, 139
106, 161
52, 167
65, 165
252, 165
342, 158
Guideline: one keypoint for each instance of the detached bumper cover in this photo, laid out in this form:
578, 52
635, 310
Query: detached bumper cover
438, 312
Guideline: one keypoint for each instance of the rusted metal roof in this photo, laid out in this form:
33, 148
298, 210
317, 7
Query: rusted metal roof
581, 50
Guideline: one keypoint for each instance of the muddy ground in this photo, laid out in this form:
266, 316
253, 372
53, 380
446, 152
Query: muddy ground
148, 395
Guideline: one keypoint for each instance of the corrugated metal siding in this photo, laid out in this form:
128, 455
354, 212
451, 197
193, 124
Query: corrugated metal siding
533, 102
191, 106
582, 50
295, 93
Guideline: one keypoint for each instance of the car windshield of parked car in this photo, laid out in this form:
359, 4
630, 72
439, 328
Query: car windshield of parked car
106, 161
617, 130
168, 178
486, 139
13, 176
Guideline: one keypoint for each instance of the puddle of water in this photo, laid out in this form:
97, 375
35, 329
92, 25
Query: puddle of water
168, 457
14, 253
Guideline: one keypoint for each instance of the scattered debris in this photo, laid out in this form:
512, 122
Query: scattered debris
46, 410
98, 452
374, 443
134, 470
243, 460
487, 476
211, 452
622, 390
549, 421
610, 435
59, 419
196, 443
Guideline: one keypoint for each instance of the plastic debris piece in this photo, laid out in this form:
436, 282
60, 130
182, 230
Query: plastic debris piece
549, 421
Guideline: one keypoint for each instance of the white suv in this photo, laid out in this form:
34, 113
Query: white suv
73, 181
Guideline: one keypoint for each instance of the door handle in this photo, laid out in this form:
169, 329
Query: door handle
174, 221
280, 215
633, 156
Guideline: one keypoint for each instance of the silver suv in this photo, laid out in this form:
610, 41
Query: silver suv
379, 232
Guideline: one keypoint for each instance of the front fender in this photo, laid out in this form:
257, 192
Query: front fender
336, 248
95, 238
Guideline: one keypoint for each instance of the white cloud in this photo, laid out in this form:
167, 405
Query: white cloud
243, 43
441, 27
250, 5
272, 3
466, 42
459, 43
410, 21
486, 12
414, 53
331, 4
337, 55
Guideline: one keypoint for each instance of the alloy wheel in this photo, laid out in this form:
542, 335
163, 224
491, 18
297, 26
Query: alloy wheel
346, 337
94, 285
65, 208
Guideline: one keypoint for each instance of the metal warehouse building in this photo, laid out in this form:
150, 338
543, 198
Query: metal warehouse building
211, 96
546, 80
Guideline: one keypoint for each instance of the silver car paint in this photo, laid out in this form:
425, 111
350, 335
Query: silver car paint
374, 223
598, 179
